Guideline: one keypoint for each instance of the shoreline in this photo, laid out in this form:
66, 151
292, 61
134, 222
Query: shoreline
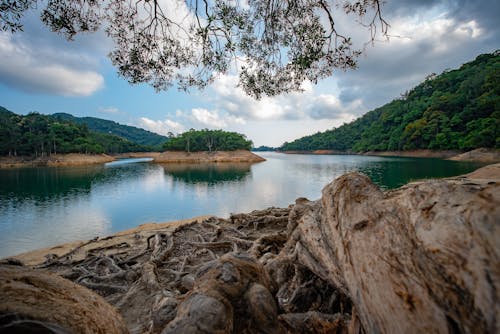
55, 160
476, 155
80, 159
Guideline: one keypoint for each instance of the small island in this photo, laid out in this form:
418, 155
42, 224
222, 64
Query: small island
203, 146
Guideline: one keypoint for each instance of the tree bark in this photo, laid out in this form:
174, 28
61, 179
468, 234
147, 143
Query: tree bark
420, 259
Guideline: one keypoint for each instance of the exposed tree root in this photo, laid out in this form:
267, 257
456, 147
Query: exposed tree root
216, 266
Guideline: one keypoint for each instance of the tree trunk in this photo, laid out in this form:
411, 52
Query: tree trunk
420, 259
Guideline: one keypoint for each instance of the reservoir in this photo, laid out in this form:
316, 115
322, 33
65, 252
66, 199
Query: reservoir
42, 207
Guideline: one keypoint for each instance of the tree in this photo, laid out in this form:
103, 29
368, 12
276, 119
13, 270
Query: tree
208, 140
275, 45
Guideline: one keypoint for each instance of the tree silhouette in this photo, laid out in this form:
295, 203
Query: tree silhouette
274, 45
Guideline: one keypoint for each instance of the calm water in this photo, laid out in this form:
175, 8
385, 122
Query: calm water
41, 207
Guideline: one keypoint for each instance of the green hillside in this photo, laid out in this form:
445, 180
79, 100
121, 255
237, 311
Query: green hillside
459, 109
38, 135
131, 133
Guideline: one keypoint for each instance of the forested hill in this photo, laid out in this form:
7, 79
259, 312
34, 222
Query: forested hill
131, 133
40, 135
459, 109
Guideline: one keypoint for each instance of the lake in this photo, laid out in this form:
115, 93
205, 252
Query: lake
41, 207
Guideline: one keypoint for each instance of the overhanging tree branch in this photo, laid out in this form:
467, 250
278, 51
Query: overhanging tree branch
278, 44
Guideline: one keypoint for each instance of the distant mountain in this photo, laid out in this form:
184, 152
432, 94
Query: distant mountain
264, 149
131, 133
459, 109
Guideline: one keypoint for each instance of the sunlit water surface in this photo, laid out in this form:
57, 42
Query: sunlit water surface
41, 207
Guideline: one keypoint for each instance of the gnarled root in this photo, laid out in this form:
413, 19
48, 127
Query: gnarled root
38, 301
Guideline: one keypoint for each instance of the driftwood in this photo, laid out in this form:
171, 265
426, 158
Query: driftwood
422, 258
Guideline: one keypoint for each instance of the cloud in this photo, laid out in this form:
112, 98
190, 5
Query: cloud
161, 127
206, 117
308, 104
24, 68
429, 39
109, 110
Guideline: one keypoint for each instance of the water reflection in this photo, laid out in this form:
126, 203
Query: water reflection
46, 184
210, 173
394, 172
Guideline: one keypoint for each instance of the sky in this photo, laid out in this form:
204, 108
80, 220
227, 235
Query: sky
41, 71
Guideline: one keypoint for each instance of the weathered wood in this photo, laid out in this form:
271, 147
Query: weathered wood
39, 301
423, 258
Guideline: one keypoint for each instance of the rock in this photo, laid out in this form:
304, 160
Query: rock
424, 258
42, 302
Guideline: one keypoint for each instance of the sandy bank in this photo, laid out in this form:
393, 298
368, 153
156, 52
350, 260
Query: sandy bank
72, 159
203, 157
490, 155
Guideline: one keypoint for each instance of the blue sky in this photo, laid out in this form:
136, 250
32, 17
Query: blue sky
41, 71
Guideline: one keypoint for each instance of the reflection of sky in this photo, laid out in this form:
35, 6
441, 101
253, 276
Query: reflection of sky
31, 226
87, 202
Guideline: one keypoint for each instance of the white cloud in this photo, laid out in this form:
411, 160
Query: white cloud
204, 118
298, 105
109, 110
22, 66
209, 118
161, 127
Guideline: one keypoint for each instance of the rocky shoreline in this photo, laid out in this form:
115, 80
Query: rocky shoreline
421, 258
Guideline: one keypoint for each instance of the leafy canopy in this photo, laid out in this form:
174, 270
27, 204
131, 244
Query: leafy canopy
276, 45
39, 135
207, 140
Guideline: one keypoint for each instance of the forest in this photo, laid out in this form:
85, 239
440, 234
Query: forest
39, 135
207, 140
459, 109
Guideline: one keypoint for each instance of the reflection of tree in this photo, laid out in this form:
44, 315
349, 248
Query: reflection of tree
47, 184
392, 173
212, 173
42, 184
